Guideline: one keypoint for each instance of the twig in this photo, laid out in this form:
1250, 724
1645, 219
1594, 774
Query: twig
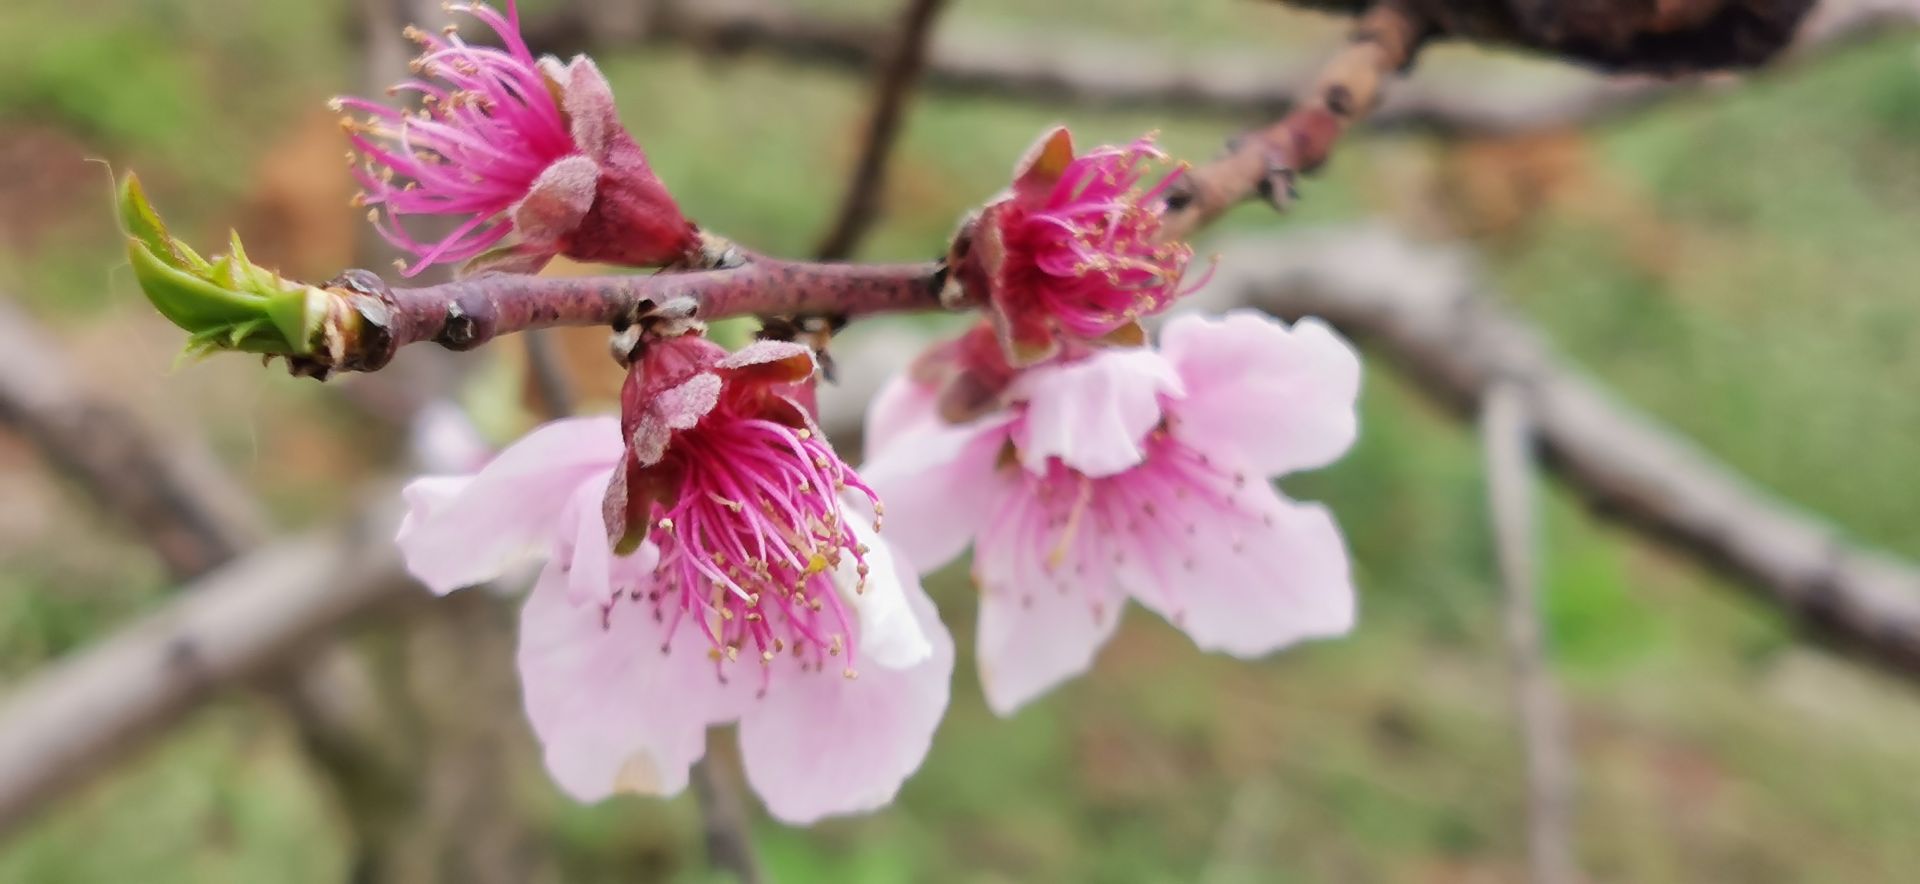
1267, 161
859, 207
1421, 307
723, 822
239, 622
1508, 440
465, 313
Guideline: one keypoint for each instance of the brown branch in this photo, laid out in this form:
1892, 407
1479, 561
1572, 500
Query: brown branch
466, 313
196, 518
1267, 161
240, 622
861, 203
174, 497
1507, 435
1422, 309
251, 617
723, 821
1117, 74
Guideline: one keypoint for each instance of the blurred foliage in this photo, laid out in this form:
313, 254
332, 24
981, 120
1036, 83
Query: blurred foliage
1739, 264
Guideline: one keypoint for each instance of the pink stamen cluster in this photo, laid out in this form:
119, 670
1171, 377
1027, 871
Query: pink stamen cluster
1087, 252
760, 526
488, 125
745, 503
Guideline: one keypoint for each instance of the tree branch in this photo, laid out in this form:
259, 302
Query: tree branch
1507, 435
860, 205
196, 518
173, 496
1117, 74
723, 822
1422, 309
1267, 161
467, 313
241, 621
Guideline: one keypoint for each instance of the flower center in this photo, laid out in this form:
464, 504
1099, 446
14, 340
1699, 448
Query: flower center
755, 540
1094, 248
1162, 518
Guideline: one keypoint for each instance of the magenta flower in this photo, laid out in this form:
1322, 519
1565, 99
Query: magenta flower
1138, 474
504, 144
1073, 249
625, 661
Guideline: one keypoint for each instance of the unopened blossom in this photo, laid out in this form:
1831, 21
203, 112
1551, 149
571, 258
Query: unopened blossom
1132, 473
505, 144
626, 660
1073, 250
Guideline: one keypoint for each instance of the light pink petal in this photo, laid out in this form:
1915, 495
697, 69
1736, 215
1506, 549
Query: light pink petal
1047, 604
510, 511
1272, 398
820, 744
443, 439
901, 407
1252, 582
936, 485
890, 634
1092, 414
583, 553
424, 496
613, 712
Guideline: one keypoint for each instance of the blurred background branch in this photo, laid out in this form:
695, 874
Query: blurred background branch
1421, 307
1507, 438
860, 204
1113, 74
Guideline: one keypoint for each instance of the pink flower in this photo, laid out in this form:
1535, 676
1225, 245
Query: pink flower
1138, 474
745, 499
507, 144
1073, 249
625, 661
